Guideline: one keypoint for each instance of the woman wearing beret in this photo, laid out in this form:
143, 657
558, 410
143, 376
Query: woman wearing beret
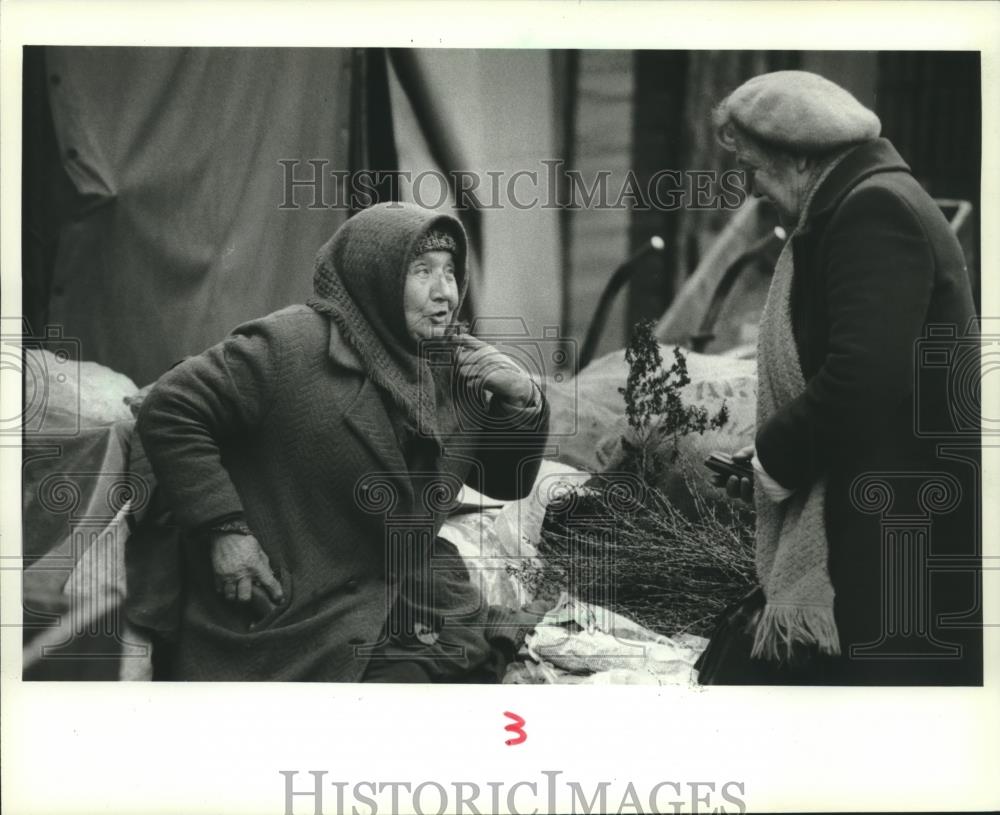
870, 264
311, 457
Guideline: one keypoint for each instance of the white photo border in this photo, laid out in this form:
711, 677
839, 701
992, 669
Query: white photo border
186, 748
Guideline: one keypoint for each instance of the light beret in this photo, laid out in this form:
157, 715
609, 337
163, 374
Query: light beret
800, 111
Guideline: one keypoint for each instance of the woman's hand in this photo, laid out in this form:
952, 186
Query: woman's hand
483, 366
738, 487
238, 562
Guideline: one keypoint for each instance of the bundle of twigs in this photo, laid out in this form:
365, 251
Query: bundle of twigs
642, 557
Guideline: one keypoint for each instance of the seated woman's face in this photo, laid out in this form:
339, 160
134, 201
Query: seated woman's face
430, 295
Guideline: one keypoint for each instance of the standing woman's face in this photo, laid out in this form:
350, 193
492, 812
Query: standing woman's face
430, 294
784, 181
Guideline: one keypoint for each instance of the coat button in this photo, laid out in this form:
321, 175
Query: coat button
426, 635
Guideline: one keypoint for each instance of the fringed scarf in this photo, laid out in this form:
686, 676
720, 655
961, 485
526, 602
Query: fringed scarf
358, 282
792, 547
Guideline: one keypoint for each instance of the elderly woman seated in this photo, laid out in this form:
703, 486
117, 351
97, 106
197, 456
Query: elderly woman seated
311, 457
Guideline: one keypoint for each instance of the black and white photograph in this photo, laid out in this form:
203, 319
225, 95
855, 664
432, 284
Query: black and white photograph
394, 383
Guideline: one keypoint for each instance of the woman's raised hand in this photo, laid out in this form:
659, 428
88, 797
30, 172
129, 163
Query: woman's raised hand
238, 562
483, 366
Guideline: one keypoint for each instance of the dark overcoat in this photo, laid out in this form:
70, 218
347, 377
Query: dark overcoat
280, 424
881, 303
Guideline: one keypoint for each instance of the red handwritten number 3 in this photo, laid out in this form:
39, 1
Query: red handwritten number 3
516, 727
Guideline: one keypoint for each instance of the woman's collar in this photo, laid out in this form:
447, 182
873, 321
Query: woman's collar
340, 352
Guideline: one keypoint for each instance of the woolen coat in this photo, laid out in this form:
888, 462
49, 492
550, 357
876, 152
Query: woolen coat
280, 425
879, 277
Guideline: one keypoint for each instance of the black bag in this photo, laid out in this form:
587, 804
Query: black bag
727, 659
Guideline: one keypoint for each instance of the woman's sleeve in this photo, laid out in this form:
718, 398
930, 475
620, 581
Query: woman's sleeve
879, 274
511, 453
193, 408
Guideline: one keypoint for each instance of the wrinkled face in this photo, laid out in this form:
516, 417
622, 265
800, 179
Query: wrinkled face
430, 294
782, 180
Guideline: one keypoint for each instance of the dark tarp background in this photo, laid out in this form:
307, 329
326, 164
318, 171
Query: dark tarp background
167, 230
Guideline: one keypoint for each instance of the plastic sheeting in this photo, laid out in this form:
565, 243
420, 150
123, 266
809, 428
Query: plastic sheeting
497, 542
78, 496
580, 643
81, 490
177, 233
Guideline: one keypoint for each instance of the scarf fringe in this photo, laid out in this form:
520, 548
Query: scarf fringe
780, 628
792, 549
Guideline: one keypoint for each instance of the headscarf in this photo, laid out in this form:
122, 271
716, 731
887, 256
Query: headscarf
359, 279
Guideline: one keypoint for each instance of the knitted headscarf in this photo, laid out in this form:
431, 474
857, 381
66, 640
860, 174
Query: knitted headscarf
359, 279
